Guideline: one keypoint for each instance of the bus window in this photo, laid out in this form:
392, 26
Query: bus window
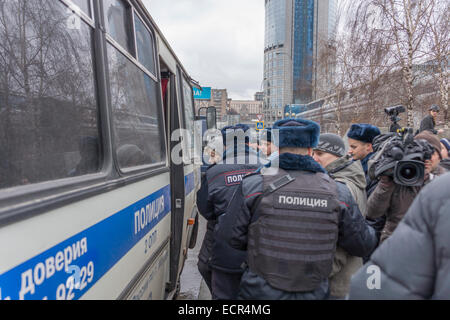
144, 44
188, 109
84, 5
118, 23
138, 130
48, 107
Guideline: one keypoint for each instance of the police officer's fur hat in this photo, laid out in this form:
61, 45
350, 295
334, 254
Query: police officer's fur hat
363, 132
232, 130
297, 133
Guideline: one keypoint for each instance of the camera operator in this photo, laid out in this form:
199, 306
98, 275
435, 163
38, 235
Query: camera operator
393, 113
394, 125
414, 263
392, 199
433, 164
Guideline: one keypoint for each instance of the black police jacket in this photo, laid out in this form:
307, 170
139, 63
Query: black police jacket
355, 235
218, 187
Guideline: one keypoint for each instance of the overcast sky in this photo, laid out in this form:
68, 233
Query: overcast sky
219, 42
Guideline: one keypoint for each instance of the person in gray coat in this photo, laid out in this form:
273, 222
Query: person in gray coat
414, 263
330, 154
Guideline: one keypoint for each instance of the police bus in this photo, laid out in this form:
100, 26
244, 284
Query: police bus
91, 204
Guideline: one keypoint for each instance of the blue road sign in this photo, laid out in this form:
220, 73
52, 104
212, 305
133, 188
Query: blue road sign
260, 125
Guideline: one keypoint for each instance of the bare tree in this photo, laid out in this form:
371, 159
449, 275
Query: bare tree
404, 23
377, 52
437, 48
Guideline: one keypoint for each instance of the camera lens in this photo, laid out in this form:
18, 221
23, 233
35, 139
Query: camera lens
409, 173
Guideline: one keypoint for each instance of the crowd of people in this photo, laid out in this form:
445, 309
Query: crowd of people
298, 216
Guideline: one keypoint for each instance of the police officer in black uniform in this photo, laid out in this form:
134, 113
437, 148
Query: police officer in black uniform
219, 263
290, 220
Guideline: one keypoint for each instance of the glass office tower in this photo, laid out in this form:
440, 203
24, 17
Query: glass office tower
293, 30
303, 51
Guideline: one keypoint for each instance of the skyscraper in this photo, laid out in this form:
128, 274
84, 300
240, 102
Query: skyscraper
295, 33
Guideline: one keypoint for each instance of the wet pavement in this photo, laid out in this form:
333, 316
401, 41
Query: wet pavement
192, 286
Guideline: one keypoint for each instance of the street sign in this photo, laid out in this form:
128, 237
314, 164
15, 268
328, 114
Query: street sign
260, 125
260, 117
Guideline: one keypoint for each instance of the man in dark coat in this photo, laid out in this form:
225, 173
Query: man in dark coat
414, 263
290, 219
429, 121
219, 264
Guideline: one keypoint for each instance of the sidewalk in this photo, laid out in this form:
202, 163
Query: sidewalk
192, 286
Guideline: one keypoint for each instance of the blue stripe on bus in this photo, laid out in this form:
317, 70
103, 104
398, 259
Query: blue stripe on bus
105, 242
189, 183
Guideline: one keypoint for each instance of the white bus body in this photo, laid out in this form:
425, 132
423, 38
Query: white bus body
117, 227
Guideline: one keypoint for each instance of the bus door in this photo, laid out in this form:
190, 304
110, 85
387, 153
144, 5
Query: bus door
176, 183
191, 168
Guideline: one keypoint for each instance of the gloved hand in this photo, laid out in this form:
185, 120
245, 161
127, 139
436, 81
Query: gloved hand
386, 181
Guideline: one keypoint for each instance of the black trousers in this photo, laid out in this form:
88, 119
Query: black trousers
205, 271
225, 286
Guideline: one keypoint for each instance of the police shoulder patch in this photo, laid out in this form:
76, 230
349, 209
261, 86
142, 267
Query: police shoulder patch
235, 177
303, 201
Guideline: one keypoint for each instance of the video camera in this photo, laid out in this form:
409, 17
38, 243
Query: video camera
393, 113
400, 156
395, 110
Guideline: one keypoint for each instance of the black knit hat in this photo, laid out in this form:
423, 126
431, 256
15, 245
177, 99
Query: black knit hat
434, 107
446, 143
331, 143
